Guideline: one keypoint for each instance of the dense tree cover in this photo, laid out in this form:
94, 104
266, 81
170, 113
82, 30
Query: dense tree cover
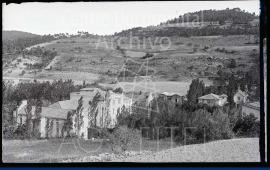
248, 80
235, 15
55, 91
197, 121
18, 45
187, 32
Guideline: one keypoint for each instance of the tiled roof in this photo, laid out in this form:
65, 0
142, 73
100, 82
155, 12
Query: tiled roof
54, 113
88, 89
69, 104
66, 104
223, 95
170, 94
210, 96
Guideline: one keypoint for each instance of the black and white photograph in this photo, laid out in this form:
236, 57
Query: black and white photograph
131, 81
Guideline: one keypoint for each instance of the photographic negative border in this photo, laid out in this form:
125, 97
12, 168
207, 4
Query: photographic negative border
264, 133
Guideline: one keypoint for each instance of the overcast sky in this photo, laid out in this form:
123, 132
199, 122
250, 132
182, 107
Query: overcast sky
104, 17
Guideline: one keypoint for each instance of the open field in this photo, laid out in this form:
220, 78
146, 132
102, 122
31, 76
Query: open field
58, 150
234, 150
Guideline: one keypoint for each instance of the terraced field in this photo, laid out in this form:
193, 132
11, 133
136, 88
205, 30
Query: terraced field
177, 59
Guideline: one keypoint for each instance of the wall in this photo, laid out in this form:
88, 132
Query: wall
238, 98
19, 119
53, 133
208, 102
43, 127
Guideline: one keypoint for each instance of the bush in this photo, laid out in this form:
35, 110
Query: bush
147, 55
247, 126
22, 73
118, 90
8, 132
122, 137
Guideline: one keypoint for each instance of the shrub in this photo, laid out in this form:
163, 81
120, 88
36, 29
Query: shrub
122, 137
118, 90
147, 55
8, 132
22, 73
232, 63
247, 126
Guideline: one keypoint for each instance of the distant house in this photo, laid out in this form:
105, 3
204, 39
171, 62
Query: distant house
251, 108
174, 97
213, 99
240, 97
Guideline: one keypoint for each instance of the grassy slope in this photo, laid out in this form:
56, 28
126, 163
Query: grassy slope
94, 57
12, 35
169, 64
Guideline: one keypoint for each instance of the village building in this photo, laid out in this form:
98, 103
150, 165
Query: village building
240, 97
103, 111
251, 108
46, 124
174, 97
213, 99
99, 109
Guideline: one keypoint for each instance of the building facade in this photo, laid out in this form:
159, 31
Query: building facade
88, 108
240, 97
213, 99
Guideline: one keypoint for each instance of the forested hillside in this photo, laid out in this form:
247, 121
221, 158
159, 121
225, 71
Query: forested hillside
236, 15
13, 35
239, 25
16, 41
